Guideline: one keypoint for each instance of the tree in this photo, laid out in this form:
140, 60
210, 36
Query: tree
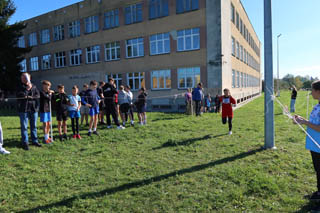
10, 54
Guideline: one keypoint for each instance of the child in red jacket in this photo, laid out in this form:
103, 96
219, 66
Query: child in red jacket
227, 113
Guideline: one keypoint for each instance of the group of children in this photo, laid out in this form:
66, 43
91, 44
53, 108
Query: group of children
93, 101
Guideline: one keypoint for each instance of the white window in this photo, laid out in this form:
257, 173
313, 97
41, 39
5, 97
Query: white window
136, 80
133, 13
135, 48
46, 62
75, 57
238, 79
161, 79
33, 39
60, 59
159, 44
233, 79
45, 36
23, 65
241, 52
188, 39
74, 29
116, 77
21, 42
91, 24
34, 64
237, 50
188, 77
58, 32
93, 54
233, 46
112, 51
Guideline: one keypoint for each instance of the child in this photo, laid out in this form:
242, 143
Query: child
142, 106
92, 100
74, 111
207, 103
217, 104
45, 111
227, 113
188, 101
293, 99
101, 104
314, 131
2, 150
61, 101
130, 96
84, 110
124, 100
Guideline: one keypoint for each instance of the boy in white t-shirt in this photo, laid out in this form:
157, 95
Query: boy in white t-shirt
74, 111
313, 142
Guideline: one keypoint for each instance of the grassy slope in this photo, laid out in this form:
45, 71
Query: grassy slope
175, 164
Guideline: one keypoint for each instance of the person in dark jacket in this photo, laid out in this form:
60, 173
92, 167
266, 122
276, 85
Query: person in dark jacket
293, 99
101, 104
141, 105
45, 110
28, 106
197, 97
109, 92
84, 110
217, 104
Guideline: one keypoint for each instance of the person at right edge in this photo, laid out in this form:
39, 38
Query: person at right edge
313, 142
293, 99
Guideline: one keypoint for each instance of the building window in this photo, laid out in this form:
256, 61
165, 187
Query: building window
135, 48
116, 77
60, 59
158, 8
233, 46
111, 19
188, 39
91, 24
136, 80
160, 44
238, 79
188, 77
58, 32
75, 57
161, 79
241, 80
233, 19
244, 55
46, 62
23, 65
93, 54
241, 26
21, 42
33, 39
112, 51
241, 52
237, 50
74, 29
45, 36
237, 20
34, 64
233, 79
133, 14
187, 5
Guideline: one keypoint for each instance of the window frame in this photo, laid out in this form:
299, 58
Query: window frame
113, 19
166, 75
116, 48
94, 52
192, 36
194, 75
74, 29
33, 41
129, 43
58, 32
165, 38
47, 36
135, 11
34, 64
77, 56
140, 77
62, 57
91, 24
45, 58
161, 5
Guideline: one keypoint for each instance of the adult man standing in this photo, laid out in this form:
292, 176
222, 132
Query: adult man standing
28, 106
197, 97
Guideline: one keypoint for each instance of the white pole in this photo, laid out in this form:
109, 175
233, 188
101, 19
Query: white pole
51, 132
308, 98
278, 84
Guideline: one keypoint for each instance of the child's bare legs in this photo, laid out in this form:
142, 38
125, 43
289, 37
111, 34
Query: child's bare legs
91, 123
59, 127
144, 118
64, 124
95, 122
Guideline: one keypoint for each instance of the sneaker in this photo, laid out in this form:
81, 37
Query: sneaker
315, 196
144, 123
109, 127
78, 136
123, 124
132, 124
141, 124
74, 136
4, 151
120, 127
48, 141
230, 132
95, 132
36, 144
65, 137
60, 138
89, 134
25, 146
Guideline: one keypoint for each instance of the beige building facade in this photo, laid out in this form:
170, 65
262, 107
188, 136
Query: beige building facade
166, 46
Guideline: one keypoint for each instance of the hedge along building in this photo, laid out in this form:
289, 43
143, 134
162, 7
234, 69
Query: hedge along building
165, 45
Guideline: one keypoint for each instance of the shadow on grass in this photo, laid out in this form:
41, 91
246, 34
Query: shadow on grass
172, 143
141, 183
309, 207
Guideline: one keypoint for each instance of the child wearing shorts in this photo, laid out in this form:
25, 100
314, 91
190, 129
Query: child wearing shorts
141, 105
74, 111
45, 111
227, 112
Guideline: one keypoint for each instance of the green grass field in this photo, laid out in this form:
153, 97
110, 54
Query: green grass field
176, 163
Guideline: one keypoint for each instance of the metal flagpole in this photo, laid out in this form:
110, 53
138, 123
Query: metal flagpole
308, 99
268, 73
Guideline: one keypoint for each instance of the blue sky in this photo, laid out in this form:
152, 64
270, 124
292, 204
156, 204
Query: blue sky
296, 20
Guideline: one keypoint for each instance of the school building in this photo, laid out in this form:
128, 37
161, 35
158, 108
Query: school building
165, 45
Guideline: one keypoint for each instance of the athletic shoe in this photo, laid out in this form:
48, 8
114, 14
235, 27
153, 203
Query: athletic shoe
78, 136
48, 141
74, 136
109, 127
132, 124
25, 146
230, 132
89, 134
95, 132
123, 124
60, 138
315, 196
36, 144
3, 151
65, 136
140, 123
120, 127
